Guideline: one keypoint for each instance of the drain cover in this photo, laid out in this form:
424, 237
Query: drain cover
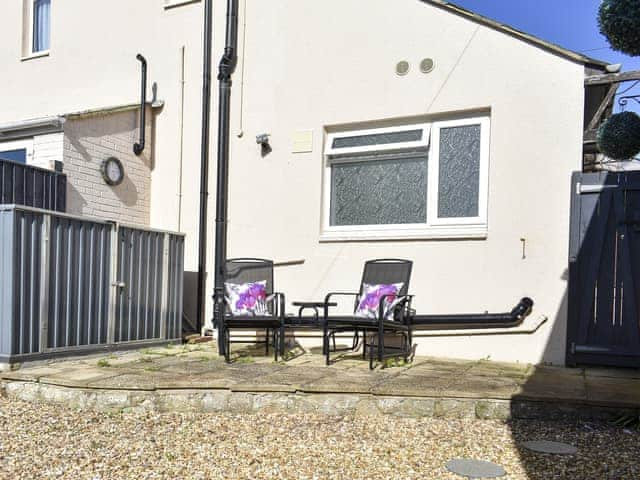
470, 468
556, 448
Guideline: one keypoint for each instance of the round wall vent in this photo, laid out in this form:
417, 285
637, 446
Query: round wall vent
402, 68
427, 65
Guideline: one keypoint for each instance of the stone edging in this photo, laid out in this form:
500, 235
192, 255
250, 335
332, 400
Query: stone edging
227, 401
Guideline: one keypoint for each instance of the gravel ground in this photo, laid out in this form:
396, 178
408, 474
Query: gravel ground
45, 441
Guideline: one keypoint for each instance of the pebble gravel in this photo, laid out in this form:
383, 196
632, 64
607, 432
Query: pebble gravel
46, 441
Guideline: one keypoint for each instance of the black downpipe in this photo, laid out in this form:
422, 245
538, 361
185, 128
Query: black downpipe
225, 71
138, 148
483, 320
204, 163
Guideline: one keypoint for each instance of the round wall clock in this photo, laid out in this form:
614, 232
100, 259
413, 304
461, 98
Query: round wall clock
112, 171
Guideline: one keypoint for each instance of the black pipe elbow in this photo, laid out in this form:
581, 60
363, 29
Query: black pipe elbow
523, 309
138, 148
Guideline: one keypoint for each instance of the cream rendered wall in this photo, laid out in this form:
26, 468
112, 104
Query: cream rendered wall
92, 65
314, 65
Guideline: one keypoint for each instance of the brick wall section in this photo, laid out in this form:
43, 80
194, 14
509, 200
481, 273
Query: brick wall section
88, 141
47, 149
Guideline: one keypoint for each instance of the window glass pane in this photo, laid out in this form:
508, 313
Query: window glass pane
41, 25
459, 172
19, 155
380, 190
377, 139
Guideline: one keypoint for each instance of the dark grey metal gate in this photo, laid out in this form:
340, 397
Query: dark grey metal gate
604, 270
71, 284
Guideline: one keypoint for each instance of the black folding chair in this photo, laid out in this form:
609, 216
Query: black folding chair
251, 270
374, 330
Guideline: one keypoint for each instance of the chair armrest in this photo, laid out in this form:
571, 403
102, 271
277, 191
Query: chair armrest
278, 299
327, 299
403, 300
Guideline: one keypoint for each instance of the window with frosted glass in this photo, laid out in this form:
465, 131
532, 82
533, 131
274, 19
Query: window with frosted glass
378, 139
459, 172
41, 25
379, 190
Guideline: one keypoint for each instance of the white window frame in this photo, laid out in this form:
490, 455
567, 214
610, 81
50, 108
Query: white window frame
472, 227
29, 52
23, 144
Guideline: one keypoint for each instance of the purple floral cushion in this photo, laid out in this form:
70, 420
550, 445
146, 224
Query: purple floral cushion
248, 299
371, 296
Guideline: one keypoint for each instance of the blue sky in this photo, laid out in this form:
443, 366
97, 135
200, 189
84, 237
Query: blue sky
571, 24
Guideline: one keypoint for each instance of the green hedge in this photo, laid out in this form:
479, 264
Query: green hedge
619, 137
619, 21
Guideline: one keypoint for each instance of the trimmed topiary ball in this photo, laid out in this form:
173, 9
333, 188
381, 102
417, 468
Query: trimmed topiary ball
619, 21
619, 137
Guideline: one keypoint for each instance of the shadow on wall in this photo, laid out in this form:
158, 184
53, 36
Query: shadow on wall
88, 141
602, 328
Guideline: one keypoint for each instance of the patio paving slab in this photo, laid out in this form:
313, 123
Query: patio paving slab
428, 386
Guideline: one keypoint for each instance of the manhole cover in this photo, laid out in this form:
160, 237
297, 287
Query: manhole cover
556, 448
470, 468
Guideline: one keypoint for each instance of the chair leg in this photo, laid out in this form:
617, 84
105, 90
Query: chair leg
380, 343
227, 345
364, 345
281, 346
267, 339
325, 344
275, 344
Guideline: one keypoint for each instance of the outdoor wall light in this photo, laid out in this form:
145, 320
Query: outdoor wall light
263, 141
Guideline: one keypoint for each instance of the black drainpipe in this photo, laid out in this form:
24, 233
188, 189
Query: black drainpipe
138, 148
225, 70
204, 164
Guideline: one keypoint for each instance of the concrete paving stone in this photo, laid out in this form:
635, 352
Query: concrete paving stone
628, 373
471, 385
490, 369
557, 371
127, 381
33, 374
79, 377
546, 446
553, 387
344, 381
421, 384
472, 468
620, 392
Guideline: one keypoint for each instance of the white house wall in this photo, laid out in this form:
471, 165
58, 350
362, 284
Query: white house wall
311, 65
92, 65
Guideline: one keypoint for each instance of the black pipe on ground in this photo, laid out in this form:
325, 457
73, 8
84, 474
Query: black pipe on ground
138, 148
225, 71
475, 321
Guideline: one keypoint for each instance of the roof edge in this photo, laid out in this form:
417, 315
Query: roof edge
519, 34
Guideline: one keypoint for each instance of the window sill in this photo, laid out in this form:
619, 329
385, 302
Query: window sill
178, 3
434, 233
33, 56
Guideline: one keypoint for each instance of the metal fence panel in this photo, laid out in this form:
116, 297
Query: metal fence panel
80, 253
71, 283
32, 186
139, 297
176, 285
21, 276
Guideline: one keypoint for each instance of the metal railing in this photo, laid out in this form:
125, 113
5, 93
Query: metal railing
32, 186
75, 284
